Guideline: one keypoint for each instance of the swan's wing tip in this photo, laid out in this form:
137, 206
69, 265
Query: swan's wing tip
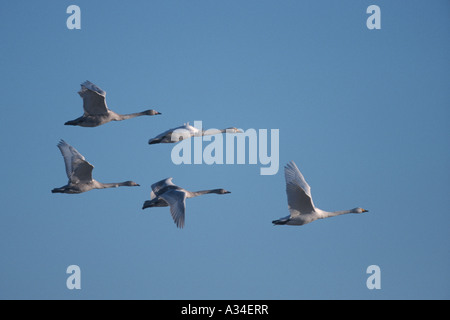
293, 176
92, 87
291, 165
177, 202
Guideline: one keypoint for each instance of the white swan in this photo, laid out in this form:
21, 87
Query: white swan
79, 172
187, 131
165, 193
96, 112
300, 202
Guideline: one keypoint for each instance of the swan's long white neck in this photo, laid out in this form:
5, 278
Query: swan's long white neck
119, 117
100, 185
213, 131
192, 194
326, 214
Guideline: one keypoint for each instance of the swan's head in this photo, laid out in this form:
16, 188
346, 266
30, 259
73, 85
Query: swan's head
131, 184
151, 112
221, 191
234, 130
359, 210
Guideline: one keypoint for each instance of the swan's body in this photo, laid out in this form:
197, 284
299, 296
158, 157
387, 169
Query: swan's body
300, 202
96, 112
187, 131
79, 172
165, 193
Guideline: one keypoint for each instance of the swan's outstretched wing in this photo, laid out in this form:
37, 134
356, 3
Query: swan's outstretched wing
298, 191
158, 186
177, 202
77, 168
82, 172
94, 102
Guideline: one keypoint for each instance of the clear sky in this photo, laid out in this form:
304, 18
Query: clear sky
363, 113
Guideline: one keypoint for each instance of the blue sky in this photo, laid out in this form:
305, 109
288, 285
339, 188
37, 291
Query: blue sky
363, 113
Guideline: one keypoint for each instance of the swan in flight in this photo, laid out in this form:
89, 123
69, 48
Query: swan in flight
96, 112
187, 131
300, 202
165, 193
79, 172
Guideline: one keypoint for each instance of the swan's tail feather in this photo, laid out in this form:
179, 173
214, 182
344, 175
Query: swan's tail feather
156, 202
71, 123
280, 221
154, 141
147, 204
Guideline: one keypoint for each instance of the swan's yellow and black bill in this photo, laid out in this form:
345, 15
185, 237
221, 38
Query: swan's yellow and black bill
364, 210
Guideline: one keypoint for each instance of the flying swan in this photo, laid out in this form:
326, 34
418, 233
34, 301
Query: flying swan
300, 202
187, 131
96, 112
165, 193
79, 172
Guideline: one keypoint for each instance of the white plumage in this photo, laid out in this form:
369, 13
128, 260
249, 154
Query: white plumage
79, 172
187, 131
96, 111
166, 194
300, 203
